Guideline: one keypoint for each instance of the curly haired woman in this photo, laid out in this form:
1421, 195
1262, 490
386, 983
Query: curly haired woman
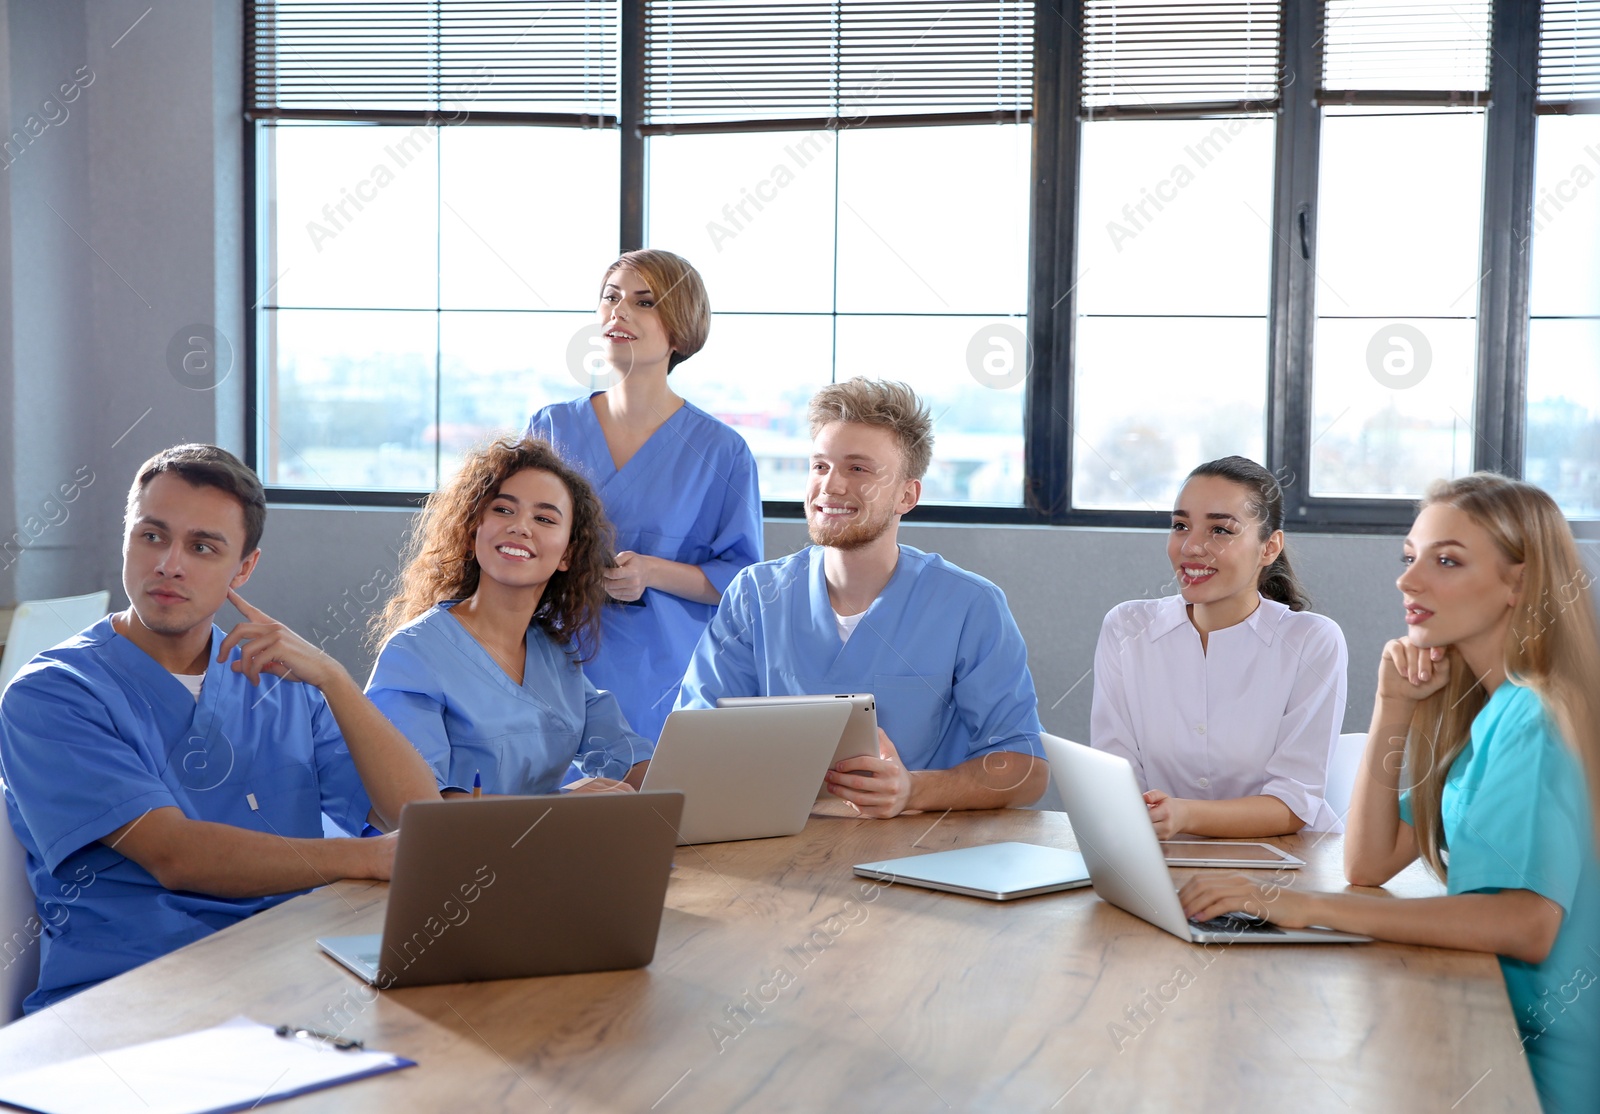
483, 641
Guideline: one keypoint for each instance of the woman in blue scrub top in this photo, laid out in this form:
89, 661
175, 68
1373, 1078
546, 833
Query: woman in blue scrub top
679, 486
480, 665
1481, 705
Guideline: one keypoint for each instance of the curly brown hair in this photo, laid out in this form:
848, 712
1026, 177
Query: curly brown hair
439, 563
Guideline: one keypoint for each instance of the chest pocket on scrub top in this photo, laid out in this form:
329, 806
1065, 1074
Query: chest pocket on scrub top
287, 802
911, 710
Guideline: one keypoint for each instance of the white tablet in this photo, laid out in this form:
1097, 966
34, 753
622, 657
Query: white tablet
860, 737
1239, 856
745, 773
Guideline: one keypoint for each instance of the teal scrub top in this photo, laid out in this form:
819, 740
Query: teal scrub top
1516, 817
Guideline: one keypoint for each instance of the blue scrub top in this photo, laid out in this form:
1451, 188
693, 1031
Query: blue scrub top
94, 734
446, 694
1516, 817
690, 494
938, 648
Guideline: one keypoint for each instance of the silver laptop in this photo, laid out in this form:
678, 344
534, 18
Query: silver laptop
859, 738
997, 871
746, 773
1118, 842
509, 887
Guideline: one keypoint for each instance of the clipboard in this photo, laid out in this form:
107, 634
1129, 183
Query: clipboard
237, 1065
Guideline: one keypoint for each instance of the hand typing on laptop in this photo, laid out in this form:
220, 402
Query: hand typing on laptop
1207, 896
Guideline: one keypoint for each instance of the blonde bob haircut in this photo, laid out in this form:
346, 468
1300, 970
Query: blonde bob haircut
680, 298
1552, 645
880, 402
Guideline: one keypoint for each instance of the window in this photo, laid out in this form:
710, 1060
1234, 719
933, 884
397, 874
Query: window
814, 248
1174, 246
852, 181
1399, 208
1105, 240
1563, 400
458, 301
413, 297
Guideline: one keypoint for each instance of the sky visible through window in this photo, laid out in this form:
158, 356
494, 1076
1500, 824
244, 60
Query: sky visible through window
433, 287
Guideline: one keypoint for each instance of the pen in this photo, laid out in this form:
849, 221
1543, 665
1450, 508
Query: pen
477, 783
295, 1032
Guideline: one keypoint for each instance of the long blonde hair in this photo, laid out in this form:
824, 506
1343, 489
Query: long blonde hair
1552, 644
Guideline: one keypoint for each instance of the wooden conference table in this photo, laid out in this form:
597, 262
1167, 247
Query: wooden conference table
861, 996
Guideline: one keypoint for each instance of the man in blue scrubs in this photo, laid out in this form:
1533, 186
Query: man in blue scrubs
168, 780
859, 612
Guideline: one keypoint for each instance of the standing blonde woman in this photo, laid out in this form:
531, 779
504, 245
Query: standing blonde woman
679, 486
1472, 764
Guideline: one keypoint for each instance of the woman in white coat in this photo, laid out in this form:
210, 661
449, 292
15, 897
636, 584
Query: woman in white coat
1226, 698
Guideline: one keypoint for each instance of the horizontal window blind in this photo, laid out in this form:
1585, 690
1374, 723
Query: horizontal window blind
1155, 57
1569, 56
433, 59
1437, 47
716, 63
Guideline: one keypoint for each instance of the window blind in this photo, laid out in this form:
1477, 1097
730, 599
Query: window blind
1384, 51
441, 60
720, 65
1163, 57
1569, 56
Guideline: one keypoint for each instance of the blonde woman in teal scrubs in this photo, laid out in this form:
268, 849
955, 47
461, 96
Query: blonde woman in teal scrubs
1482, 704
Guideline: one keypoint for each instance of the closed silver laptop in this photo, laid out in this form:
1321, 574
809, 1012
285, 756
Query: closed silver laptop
997, 871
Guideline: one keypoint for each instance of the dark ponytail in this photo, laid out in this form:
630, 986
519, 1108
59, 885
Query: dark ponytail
1278, 581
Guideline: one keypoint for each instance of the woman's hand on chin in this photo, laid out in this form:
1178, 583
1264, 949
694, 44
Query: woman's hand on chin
1411, 672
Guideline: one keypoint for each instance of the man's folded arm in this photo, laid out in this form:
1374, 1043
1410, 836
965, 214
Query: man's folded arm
199, 856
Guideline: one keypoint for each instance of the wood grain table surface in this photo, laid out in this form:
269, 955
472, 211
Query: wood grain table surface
783, 982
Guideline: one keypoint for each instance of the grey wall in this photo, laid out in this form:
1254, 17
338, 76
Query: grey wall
123, 213
323, 570
8, 391
122, 224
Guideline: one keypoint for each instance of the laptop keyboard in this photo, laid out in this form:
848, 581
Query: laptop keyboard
1237, 923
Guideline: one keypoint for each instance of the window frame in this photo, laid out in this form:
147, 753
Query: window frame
1499, 410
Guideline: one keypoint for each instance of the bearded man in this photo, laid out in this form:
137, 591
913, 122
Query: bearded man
858, 612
